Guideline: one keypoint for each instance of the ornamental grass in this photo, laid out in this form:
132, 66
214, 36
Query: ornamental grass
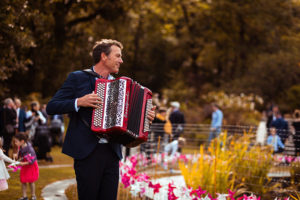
230, 162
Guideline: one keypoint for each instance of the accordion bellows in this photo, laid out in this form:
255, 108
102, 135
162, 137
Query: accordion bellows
123, 115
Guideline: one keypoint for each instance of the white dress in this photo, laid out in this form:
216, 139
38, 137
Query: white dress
3, 171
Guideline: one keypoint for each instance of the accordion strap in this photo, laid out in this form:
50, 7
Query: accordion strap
97, 135
91, 72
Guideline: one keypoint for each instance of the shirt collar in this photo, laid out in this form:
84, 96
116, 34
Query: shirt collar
110, 77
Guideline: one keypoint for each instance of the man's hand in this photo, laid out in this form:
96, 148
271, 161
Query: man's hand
151, 114
89, 100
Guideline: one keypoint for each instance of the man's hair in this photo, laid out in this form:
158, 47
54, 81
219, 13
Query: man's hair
214, 104
104, 46
18, 100
7, 101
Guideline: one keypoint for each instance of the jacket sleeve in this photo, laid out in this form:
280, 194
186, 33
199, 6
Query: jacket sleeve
64, 99
5, 158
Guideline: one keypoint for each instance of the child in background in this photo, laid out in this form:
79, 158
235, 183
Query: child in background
275, 141
171, 149
29, 171
3, 171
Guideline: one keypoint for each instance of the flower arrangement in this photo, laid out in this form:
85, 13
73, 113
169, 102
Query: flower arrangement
141, 185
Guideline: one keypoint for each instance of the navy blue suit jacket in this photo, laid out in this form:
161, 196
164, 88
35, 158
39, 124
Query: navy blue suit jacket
22, 119
80, 141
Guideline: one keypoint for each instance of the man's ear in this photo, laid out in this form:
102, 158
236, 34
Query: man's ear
103, 56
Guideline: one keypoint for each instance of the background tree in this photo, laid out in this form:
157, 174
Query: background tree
185, 47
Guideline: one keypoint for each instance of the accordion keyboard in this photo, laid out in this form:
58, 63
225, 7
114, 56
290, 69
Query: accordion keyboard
147, 122
99, 111
114, 107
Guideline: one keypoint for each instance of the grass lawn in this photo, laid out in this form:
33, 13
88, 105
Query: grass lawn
47, 176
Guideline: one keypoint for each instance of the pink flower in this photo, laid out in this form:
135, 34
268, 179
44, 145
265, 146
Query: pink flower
143, 190
132, 171
143, 178
171, 195
120, 164
133, 160
244, 197
231, 194
198, 191
155, 187
289, 159
183, 158
126, 180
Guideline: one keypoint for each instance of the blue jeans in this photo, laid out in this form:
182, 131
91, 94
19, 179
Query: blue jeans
213, 134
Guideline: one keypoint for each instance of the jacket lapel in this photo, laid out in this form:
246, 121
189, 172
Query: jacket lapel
92, 81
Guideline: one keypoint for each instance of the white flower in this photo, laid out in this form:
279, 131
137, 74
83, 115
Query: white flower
135, 189
222, 196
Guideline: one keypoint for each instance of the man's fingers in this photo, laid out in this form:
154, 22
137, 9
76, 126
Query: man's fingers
94, 105
96, 102
151, 115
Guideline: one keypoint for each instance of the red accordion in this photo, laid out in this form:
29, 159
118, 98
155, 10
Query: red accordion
123, 115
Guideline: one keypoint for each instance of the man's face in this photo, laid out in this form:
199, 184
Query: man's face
11, 105
18, 103
275, 109
113, 60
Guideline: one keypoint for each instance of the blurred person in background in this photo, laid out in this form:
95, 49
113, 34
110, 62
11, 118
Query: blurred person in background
281, 126
35, 117
296, 130
57, 129
271, 112
216, 122
275, 141
43, 111
171, 149
177, 120
8, 123
158, 127
39, 133
21, 116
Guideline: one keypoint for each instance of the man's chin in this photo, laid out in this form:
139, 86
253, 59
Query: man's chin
116, 71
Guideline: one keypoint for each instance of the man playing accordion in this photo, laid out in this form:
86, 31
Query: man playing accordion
96, 160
